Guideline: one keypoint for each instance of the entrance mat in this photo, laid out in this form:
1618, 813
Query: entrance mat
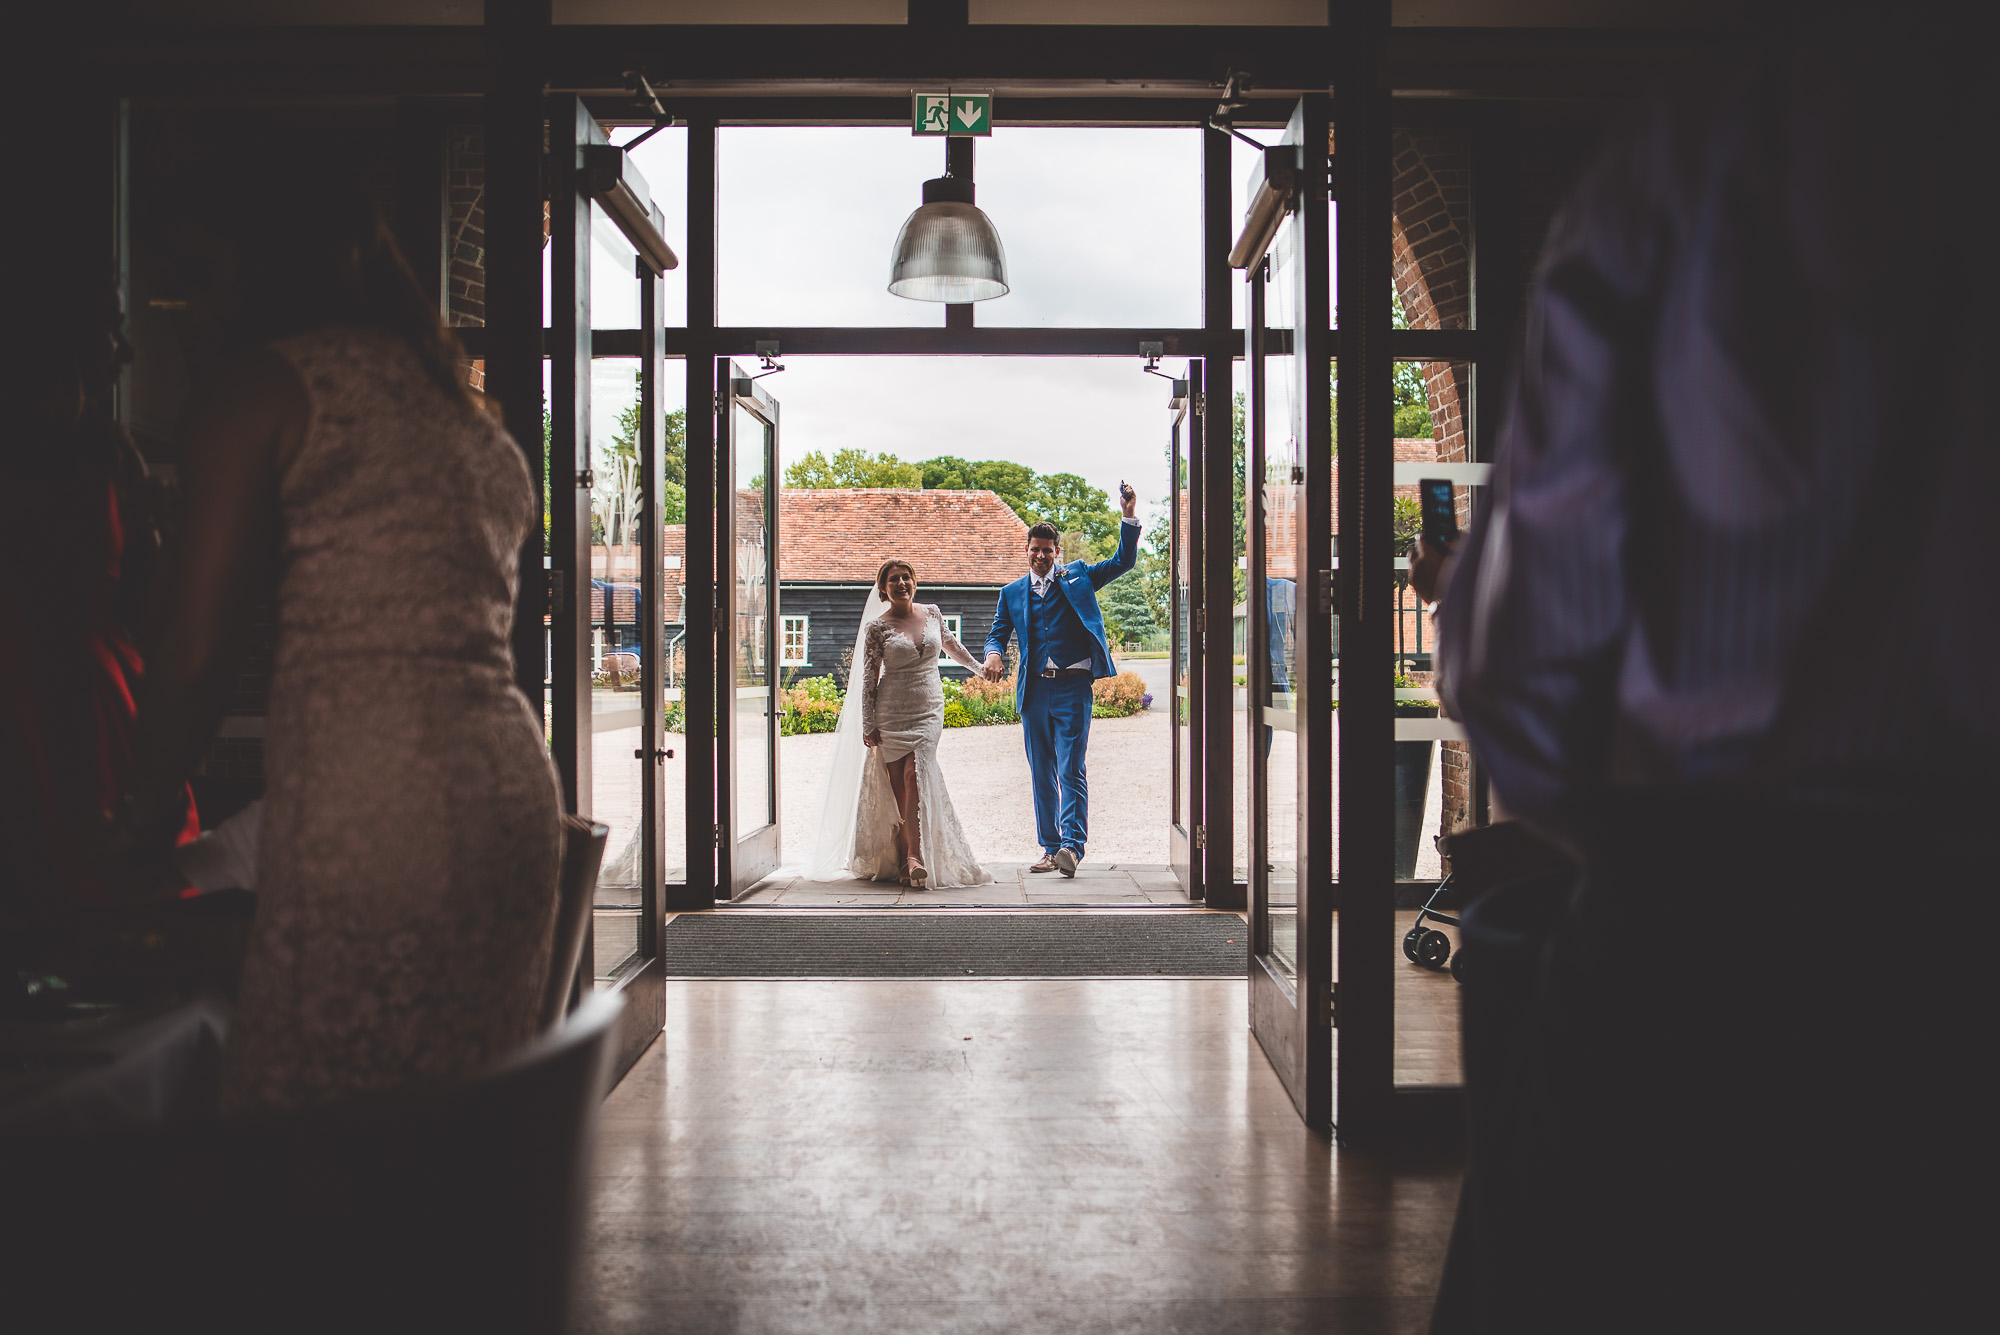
823, 944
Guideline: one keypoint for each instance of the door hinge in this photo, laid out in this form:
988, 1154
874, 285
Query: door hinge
1201, 836
1201, 621
1333, 1004
1200, 404
718, 836
1326, 591
554, 601
719, 397
586, 479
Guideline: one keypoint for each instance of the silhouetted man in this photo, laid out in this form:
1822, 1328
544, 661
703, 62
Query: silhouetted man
1728, 632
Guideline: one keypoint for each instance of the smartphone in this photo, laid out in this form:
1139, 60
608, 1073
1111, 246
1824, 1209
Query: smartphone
1124, 490
1440, 509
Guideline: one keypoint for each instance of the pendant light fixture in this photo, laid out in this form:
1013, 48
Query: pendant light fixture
948, 250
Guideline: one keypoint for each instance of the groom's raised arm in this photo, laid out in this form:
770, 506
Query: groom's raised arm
1107, 570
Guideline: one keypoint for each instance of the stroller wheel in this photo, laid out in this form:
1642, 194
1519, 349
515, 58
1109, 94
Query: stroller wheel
1458, 967
1411, 940
1433, 950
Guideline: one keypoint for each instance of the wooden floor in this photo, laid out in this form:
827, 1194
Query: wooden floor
947, 1156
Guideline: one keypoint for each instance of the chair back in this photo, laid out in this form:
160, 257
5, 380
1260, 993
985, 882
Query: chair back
454, 1208
582, 855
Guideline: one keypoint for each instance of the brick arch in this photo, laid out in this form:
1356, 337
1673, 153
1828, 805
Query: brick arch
1431, 262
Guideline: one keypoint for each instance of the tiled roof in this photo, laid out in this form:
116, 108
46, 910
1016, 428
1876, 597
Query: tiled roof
843, 535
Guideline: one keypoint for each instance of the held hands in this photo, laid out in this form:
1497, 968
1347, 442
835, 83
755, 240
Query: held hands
995, 668
872, 738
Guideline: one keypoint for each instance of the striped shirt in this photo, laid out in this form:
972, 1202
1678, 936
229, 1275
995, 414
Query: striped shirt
1742, 533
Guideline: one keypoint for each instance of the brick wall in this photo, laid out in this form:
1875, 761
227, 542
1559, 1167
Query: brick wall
1430, 232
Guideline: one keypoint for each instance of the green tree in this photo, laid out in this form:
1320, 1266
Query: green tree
949, 473
1154, 574
1076, 507
853, 468
1128, 614
1011, 482
673, 454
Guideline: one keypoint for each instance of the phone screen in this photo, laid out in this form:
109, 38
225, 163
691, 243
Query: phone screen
1440, 510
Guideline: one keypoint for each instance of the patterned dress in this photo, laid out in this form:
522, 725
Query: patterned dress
407, 878
903, 700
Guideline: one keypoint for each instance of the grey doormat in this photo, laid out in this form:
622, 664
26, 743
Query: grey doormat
822, 944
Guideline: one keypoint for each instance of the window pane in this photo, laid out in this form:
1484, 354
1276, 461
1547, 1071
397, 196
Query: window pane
856, 185
1100, 226
1433, 771
755, 723
662, 160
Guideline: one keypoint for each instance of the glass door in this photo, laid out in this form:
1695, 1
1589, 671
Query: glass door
747, 642
605, 256
1288, 696
1187, 827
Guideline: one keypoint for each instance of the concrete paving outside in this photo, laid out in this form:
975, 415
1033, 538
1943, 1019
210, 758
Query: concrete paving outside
1130, 770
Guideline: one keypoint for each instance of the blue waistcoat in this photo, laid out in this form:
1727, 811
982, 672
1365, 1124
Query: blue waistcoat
1055, 631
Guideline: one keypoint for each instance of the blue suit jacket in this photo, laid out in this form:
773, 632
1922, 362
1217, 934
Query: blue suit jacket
1079, 582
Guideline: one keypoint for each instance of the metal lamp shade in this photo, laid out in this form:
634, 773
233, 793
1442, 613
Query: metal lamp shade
948, 250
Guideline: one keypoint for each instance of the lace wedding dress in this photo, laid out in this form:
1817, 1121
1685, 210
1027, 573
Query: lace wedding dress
895, 684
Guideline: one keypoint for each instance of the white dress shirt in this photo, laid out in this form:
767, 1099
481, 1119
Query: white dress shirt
1039, 588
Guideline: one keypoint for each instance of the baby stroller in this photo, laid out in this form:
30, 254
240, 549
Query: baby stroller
1481, 859
1427, 946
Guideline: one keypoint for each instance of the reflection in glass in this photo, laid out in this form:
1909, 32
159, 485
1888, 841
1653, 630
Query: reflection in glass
1272, 597
1183, 648
616, 499
751, 629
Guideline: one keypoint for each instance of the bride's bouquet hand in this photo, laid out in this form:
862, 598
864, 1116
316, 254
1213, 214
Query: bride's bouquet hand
871, 738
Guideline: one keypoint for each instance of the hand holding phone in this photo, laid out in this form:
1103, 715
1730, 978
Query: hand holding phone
1128, 499
1440, 512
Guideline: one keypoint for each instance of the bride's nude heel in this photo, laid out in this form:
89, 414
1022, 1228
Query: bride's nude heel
916, 873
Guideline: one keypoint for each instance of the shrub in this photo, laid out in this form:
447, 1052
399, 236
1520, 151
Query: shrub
1117, 697
956, 715
808, 708
988, 701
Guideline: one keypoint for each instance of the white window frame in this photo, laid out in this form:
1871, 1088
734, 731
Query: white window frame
956, 625
785, 633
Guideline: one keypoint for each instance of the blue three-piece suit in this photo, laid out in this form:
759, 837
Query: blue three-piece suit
1063, 627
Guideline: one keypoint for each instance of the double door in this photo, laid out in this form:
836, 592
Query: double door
606, 685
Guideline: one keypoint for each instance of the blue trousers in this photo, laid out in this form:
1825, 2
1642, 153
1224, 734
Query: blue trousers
1056, 726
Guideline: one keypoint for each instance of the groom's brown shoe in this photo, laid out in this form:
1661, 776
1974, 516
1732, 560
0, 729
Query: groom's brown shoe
1048, 863
1066, 861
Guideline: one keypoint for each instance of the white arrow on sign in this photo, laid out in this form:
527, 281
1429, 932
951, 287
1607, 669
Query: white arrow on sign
968, 113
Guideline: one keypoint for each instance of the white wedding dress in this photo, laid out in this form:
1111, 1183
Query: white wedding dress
894, 690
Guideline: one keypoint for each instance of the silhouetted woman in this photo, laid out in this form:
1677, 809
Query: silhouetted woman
410, 839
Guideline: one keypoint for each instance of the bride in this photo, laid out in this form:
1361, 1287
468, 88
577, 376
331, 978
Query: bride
886, 815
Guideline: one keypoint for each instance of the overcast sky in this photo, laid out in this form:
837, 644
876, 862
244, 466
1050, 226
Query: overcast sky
1101, 227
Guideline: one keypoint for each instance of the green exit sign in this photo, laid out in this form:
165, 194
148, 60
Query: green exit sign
951, 113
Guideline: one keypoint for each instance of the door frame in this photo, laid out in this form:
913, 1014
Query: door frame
743, 859
1185, 829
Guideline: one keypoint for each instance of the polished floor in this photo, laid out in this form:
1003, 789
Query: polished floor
1070, 1155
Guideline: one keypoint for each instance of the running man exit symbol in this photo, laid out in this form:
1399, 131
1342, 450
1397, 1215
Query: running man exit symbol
952, 114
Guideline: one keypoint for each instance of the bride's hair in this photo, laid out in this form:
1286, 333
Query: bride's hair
882, 575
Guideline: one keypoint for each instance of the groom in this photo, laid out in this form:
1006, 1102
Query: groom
1054, 610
